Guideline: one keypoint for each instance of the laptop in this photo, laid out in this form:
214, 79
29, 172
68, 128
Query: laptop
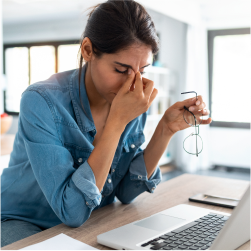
184, 227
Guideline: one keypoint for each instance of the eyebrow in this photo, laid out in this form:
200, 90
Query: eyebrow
129, 66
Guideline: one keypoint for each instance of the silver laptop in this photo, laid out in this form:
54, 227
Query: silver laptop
185, 227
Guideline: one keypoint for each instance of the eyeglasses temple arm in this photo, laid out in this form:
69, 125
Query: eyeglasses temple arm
190, 92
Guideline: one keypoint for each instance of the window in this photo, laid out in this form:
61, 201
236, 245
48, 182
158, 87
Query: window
67, 58
42, 63
229, 54
17, 76
25, 64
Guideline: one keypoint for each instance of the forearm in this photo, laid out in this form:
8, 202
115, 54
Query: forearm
156, 147
102, 155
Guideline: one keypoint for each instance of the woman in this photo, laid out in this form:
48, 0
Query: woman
80, 131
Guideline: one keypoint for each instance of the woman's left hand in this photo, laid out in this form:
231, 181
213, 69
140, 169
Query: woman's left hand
173, 117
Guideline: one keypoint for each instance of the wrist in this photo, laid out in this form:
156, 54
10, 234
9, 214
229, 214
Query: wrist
166, 131
115, 124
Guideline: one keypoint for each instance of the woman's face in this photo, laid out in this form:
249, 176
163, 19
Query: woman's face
109, 73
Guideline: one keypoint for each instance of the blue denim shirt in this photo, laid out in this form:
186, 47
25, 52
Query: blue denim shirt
48, 180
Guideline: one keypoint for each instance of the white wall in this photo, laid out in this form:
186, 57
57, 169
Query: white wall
186, 11
226, 14
50, 30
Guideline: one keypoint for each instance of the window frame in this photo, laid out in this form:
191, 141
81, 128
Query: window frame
56, 44
211, 35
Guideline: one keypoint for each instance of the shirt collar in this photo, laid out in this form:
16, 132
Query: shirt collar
84, 118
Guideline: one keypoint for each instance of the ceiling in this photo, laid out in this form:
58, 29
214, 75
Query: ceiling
212, 12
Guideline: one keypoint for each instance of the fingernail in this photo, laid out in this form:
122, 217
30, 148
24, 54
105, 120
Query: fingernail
197, 102
191, 109
129, 71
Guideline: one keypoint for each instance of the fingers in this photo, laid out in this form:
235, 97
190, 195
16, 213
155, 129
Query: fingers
153, 96
148, 87
145, 85
203, 112
188, 103
195, 104
201, 115
201, 119
206, 121
198, 104
130, 79
138, 83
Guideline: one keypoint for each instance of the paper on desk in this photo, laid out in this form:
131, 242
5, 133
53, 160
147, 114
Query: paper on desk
60, 242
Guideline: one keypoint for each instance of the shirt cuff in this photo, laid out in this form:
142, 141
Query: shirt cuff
138, 172
84, 180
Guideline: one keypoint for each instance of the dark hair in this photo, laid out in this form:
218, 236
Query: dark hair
116, 25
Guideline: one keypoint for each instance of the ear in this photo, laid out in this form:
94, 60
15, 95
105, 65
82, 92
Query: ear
86, 49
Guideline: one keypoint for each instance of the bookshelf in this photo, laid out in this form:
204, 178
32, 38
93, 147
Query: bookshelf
161, 77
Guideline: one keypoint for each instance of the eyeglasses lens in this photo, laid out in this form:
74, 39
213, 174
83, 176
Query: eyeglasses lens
191, 144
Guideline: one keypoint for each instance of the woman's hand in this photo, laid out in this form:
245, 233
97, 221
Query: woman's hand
173, 117
134, 98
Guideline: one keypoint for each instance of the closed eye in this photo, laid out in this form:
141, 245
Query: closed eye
124, 72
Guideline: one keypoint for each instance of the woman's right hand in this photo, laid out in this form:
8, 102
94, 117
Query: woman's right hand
130, 102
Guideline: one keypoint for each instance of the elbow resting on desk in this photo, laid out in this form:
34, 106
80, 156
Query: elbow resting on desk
74, 219
126, 201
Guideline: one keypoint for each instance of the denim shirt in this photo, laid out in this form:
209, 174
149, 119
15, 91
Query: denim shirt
48, 180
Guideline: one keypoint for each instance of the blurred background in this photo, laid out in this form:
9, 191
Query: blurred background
205, 46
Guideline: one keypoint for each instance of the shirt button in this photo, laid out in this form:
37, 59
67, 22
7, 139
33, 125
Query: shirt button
132, 145
103, 196
80, 160
109, 180
87, 203
153, 188
140, 177
113, 170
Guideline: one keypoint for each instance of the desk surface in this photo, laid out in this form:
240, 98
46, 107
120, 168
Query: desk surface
175, 191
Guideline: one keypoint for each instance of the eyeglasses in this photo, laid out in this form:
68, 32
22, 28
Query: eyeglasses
193, 144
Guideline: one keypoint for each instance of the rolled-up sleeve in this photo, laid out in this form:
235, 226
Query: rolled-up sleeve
135, 181
84, 180
71, 193
138, 172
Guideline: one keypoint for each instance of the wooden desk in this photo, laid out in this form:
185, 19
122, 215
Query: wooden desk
167, 194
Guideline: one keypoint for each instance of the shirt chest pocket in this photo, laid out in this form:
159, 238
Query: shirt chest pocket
79, 154
133, 142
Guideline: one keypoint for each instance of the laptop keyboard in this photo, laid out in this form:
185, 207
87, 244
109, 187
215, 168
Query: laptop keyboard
196, 235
